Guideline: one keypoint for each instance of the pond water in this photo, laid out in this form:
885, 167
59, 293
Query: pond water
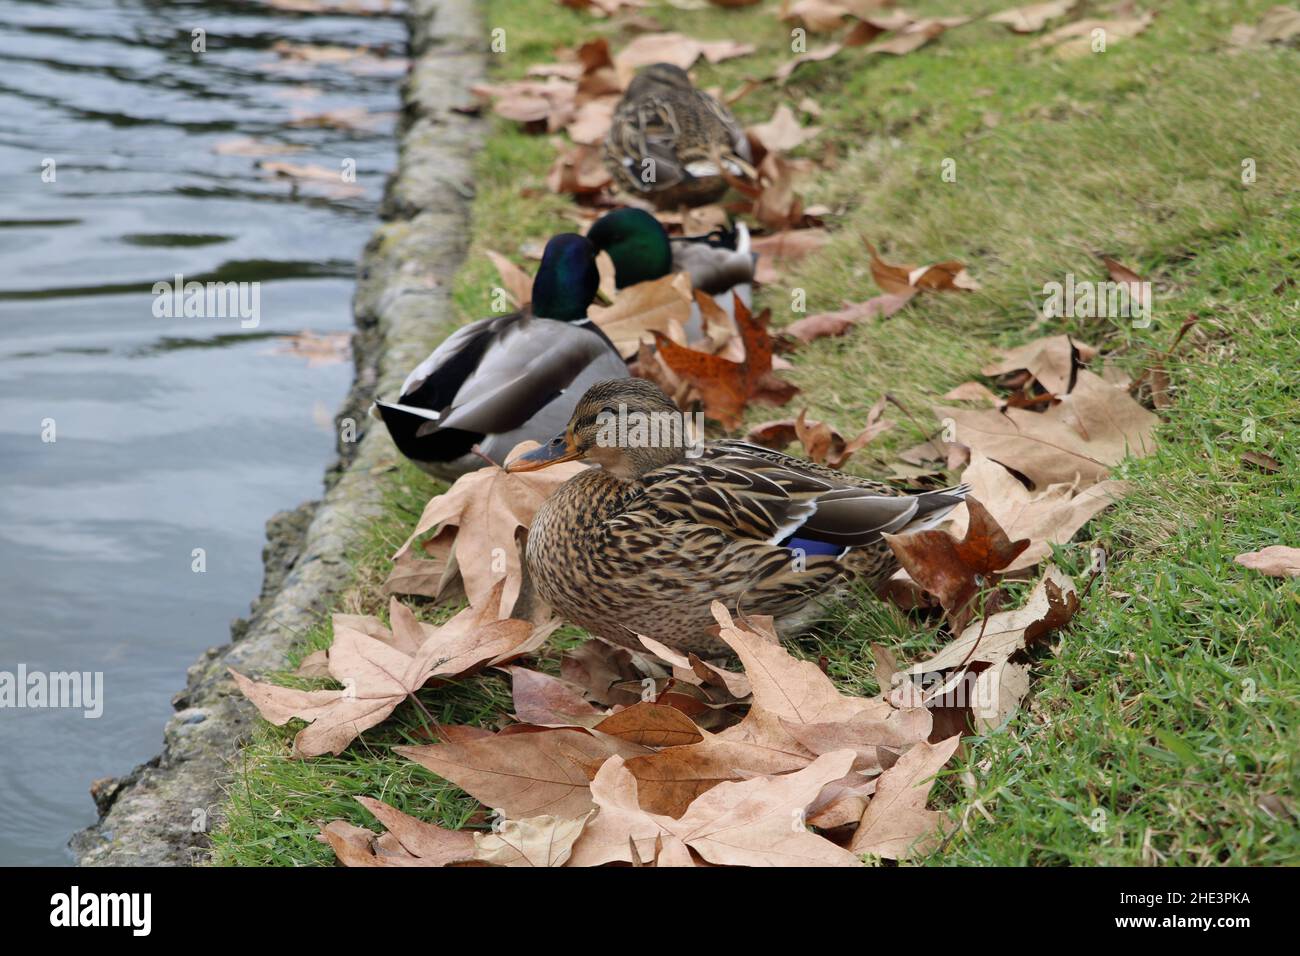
141, 454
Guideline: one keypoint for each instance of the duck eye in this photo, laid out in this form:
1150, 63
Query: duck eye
556, 441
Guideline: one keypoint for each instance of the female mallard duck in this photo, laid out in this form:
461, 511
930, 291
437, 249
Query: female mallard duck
669, 142
719, 263
644, 543
507, 378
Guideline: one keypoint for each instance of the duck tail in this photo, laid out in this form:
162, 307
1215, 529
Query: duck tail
933, 506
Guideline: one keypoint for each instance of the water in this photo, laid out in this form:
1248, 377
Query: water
170, 434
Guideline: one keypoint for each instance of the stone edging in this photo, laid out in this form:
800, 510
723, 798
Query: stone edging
402, 308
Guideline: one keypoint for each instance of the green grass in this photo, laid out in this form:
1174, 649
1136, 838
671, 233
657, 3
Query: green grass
1168, 710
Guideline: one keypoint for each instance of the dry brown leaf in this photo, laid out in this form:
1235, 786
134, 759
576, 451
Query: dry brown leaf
784, 71
377, 676
1052, 361
1078, 38
1032, 18
687, 665
896, 824
1051, 605
579, 170
756, 822
957, 570
547, 701
907, 280
781, 250
783, 131
973, 392
725, 387
660, 305
1082, 438
916, 35
1279, 25
479, 521
536, 841
548, 103
1051, 516
837, 323
517, 283
651, 725
525, 775
1278, 561
677, 49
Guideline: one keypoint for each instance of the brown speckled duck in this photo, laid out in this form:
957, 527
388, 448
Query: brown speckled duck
642, 543
667, 140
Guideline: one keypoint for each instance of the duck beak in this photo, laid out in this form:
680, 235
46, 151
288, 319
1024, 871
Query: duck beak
558, 449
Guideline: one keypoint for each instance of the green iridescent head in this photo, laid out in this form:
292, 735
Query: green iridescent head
567, 280
637, 244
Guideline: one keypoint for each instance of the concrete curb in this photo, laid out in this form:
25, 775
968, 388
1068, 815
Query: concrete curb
160, 813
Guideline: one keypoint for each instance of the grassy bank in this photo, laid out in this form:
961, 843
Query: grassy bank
1167, 715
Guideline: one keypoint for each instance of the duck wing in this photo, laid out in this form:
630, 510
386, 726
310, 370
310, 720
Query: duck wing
529, 363
435, 382
754, 493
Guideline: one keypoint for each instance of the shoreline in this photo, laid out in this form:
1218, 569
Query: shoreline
161, 812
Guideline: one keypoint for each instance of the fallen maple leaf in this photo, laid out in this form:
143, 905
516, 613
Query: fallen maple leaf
660, 305
1081, 37
1079, 439
821, 442
677, 49
916, 35
525, 775
377, 676
1032, 18
896, 824
783, 131
479, 520
907, 280
1052, 361
837, 323
547, 701
1051, 516
1279, 25
579, 170
985, 649
537, 841
1276, 560
754, 822
955, 571
779, 251
726, 387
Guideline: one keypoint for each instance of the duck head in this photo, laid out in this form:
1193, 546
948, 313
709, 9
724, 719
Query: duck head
658, 75
637, 245
567, 280
627, 426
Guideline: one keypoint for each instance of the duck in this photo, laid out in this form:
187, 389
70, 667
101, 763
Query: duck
664, 523
720, 262
505, 379
669, 142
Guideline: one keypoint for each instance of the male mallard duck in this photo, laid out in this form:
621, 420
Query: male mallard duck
504, 379
643, 543
667, 140
719, 263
